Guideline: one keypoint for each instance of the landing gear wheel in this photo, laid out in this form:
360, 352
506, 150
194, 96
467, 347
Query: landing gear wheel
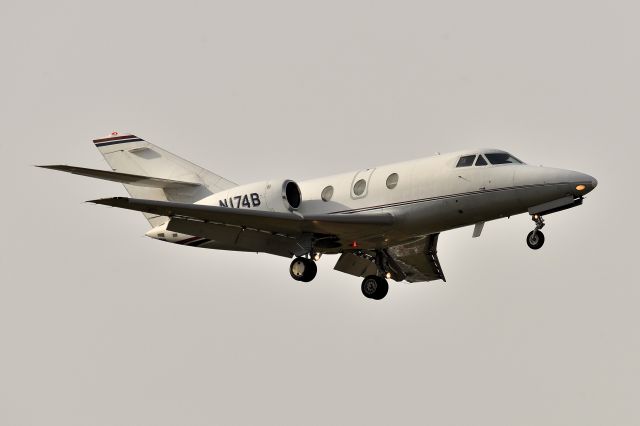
375, 287
303, 269
535, 240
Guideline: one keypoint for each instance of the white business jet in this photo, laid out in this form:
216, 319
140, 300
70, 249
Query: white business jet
383, 221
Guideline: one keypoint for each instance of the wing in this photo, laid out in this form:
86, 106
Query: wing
125, 178
414, 262
276, 233
345, 227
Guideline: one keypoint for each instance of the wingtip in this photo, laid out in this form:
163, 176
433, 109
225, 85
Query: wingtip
96, 201
107, 201
58, 167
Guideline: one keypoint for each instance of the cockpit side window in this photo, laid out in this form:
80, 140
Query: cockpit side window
466, 161
481, 161
502, 158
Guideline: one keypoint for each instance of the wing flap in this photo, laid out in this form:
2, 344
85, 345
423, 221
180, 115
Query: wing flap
235, 238
419, 260
416, 261
126, 178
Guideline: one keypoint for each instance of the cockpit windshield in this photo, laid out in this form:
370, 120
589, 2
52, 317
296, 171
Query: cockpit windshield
502, 158
466, 161
480, 160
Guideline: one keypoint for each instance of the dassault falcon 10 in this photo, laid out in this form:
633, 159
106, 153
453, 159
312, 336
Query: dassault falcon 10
383, 221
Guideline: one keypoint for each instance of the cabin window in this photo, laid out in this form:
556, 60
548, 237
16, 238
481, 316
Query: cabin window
359, 187
392, 180
327, 193
502, 158
466, 161
481, 161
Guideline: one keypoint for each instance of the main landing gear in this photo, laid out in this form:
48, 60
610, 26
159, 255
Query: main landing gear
375, 287
303, 269
535, 239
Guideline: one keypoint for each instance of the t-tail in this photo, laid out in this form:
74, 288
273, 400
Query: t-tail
149, 172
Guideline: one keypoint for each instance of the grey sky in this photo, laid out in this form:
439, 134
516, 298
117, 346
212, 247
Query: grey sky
102, 326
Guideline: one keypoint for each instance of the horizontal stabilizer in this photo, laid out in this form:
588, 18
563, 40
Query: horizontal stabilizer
126, 178
292, 224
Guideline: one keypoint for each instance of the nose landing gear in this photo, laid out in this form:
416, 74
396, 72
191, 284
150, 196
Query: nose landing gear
535, 239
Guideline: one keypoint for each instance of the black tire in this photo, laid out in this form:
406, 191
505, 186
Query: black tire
383, 288
535, 240
303, 269
310, 272
374, 287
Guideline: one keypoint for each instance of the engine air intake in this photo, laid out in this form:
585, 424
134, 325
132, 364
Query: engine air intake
292, 194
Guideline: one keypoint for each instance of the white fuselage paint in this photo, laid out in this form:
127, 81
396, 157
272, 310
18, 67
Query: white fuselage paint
432, 194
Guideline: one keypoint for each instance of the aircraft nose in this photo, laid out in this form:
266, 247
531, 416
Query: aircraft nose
584, 182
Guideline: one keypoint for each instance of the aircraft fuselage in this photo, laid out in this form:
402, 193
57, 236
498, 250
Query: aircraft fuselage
429, 195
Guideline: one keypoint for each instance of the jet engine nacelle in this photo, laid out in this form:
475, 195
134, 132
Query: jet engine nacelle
280, 195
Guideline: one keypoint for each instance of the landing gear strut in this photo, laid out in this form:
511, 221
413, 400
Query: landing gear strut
375, 287
535, 239
303, 269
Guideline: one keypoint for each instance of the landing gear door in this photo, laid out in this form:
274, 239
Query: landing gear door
360, 184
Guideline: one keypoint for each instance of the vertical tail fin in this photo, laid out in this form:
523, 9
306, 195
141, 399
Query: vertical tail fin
128, 153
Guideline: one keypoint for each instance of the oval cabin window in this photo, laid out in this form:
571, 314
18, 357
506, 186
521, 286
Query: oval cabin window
327, 193
392, 180
359, 187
